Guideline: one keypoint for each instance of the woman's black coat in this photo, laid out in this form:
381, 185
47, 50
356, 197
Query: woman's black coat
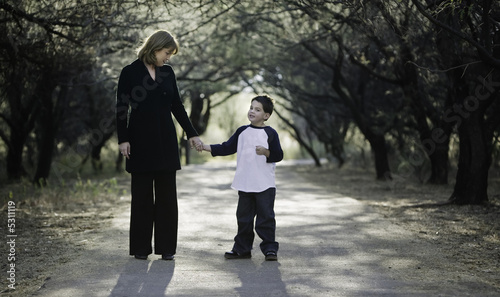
143, 116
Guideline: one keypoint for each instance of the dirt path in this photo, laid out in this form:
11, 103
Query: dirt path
330, 245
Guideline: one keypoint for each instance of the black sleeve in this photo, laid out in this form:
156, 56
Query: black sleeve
276, 152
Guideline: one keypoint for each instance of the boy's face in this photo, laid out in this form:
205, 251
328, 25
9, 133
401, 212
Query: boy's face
256, 115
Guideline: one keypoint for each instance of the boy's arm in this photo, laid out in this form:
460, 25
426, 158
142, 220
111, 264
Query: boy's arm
226, 148
275, 150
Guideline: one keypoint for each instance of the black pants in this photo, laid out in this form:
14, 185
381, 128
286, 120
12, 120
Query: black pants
258, 206
154, 205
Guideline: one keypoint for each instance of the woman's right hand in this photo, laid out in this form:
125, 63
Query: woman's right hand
125, 149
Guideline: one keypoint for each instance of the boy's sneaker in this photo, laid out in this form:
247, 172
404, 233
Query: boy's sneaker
271, 256
235, 255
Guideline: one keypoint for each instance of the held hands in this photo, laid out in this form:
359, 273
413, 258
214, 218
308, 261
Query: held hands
195, 142
200, 147
198, 144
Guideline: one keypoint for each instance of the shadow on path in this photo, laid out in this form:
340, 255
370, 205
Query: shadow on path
144, 278
257, 278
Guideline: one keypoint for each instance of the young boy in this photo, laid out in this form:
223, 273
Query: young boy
258, 149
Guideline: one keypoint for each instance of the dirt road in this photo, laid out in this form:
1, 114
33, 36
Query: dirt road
330, 245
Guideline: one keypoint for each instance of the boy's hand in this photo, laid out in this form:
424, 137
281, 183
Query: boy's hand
260, 150
206, 147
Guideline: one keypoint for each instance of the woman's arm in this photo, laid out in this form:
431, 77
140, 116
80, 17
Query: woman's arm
122, 105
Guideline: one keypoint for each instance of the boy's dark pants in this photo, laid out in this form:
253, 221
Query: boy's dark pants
156, 210
251, 205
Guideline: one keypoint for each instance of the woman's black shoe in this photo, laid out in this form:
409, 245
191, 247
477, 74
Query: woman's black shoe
141, 257
167, 257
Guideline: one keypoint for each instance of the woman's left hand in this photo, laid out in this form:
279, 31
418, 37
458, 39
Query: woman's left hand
195, 142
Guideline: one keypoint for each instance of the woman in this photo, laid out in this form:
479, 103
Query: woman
147, 96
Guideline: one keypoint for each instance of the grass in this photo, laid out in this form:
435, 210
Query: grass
64, 194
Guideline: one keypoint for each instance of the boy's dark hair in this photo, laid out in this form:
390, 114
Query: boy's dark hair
267, 103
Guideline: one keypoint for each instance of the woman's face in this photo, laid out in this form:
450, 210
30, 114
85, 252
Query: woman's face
163, 55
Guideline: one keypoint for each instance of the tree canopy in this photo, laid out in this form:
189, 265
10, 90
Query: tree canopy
412, 77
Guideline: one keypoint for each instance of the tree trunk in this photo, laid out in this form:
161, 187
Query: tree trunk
435, 143
23, 109
376, 140
200, 111
184, 145
97, 146
119, 162
434, 140
379, 148
439, 163
15, 169
473, 163
296, 135
45, 147
95, 155
48, 122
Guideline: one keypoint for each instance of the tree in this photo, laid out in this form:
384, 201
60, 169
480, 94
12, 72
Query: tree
406, 43
45, 50
43, 44
474, 66
315, 32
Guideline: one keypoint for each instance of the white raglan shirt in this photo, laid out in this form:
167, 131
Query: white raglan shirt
253, 173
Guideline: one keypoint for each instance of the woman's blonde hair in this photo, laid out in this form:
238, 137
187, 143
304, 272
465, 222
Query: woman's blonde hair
157, 41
